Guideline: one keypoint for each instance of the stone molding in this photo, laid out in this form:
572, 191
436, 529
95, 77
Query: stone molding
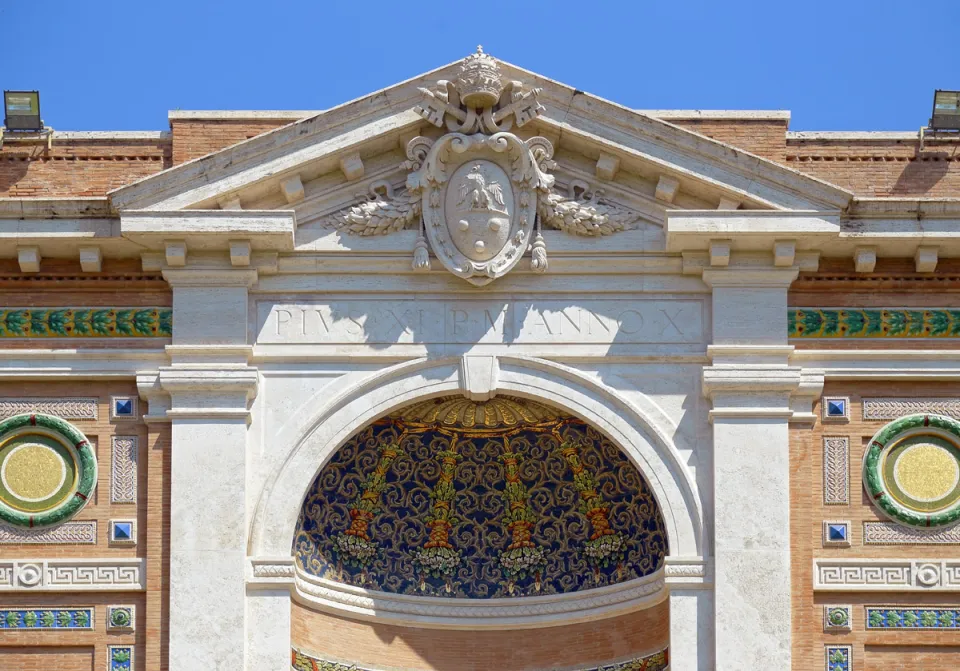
72, 575
893, 407
64, 408
123, 469
892, 533
68, 533
886, 575
637, 426
836, 470
441, 613
688, 572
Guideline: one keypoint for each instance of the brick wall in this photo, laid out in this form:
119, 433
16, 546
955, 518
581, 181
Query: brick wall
806, 516
37, 658
78, 167
193, 138
388, 646
881, 168
763, 137
910, 658
152, 515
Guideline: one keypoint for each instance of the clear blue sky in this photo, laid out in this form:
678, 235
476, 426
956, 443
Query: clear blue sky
837, 65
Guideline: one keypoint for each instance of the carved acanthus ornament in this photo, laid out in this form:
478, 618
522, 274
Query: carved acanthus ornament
481, 194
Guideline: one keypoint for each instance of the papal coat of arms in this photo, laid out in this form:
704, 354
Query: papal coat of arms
480, 194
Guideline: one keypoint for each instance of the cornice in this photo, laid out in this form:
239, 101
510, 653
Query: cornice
450, 613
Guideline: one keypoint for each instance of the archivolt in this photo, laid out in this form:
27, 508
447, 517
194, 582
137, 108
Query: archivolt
637, 433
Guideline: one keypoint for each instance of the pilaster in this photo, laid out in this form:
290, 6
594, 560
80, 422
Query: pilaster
690, 584
750, 384
210, 387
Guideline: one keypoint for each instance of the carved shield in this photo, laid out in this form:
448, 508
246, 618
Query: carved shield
479, 202
479, 207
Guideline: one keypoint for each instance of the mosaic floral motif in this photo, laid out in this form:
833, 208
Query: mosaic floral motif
905, 470
86, 322
54, 618
460, 499
913, 618
838, 658
121, 658
300, 661
856, 323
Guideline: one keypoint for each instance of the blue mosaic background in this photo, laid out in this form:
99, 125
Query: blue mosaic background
400, 527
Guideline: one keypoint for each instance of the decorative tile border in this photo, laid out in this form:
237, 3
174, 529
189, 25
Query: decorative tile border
72, 575
891, 533
46, 618
916, 617
83, 322
886, 575
121, 618
123, 470
64, 408
836, 470
837, 618
881, 323
301, 661
120, 657
882, 409
838, 658
68, 533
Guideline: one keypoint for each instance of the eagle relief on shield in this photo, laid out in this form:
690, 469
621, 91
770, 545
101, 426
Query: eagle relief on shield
479, 200
481, 194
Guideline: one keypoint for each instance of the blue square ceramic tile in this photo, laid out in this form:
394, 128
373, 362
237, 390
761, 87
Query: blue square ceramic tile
836, 407
122, 531
837, 532
124, 407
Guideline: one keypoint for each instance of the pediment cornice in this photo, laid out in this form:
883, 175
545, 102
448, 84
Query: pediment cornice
380, 120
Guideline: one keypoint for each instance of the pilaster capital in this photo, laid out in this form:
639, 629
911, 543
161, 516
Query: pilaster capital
750, 277
207, 391
210, 277
158, 400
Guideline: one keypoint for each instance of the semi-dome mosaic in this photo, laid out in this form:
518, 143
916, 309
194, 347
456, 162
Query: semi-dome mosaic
48, 470
504, 498
911, 470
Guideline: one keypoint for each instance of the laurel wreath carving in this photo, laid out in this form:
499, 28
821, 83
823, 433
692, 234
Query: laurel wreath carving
583, 217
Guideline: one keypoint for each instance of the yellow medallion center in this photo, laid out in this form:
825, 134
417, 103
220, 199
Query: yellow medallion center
927, 472
33, 472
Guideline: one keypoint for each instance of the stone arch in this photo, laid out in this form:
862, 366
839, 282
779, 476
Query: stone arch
641, 434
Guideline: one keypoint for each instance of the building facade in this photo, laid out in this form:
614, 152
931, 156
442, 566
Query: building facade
479, 372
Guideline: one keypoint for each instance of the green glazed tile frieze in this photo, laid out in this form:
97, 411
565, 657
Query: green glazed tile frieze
43, 618
872, 323
913, 618
78, 322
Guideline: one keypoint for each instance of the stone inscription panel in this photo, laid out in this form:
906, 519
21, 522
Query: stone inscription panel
410, 321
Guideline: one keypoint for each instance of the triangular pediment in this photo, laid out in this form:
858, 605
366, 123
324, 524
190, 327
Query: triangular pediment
603, 153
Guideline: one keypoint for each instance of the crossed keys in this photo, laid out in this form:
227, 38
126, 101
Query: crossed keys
445, 105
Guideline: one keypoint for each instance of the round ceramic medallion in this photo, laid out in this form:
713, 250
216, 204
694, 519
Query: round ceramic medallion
911, 470
47, 470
